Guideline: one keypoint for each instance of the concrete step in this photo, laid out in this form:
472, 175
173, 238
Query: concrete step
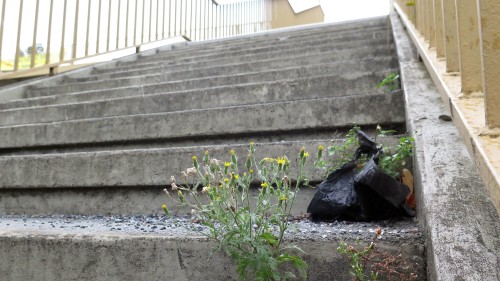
194, 83
378, 36
146, 103
362, 82
273, 38
296, 31
199, 62
110, 248
318, 113
221, 68
282, 116
135, 176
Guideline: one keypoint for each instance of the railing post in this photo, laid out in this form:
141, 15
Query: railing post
98, 27
75, 30
157, 17
49, 35
61, 53
118, 24
19, 25
438, 19
195, 20
35, 27
163, 21
1, 30
109, 26
135, 22
469, 47
426, 31
88, 29
126, 23
432, 24
175, 17
489, 11
451, 39
143, 26
150, 19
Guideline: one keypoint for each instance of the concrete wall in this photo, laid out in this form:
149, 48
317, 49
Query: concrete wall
283, 15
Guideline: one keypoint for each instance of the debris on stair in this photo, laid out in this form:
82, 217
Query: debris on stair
367, 187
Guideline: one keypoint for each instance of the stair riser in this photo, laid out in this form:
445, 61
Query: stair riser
253, 54
320, 113
121, 257
287, 90
299, 35
158, 66
289, 42
221, 68
202, 83
350, 40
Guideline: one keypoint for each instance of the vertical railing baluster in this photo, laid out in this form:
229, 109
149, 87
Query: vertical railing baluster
163, 21
191, 20
88, 29
185, 18
49, 35
118, 25
126, 24
143, 26
35, 26
18, 48
135, 22
109, 26
61, 52
75, 30
150, 18
175, 17
195, 19
205, 20
157, 17
180, 18
2, 20
169, 18
98, 26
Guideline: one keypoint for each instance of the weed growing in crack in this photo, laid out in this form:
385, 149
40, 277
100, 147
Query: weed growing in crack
251, 233
390, 82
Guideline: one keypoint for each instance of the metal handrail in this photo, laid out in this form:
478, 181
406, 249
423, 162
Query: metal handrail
136, 22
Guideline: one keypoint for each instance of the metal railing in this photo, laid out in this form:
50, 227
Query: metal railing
48, 33
459, 42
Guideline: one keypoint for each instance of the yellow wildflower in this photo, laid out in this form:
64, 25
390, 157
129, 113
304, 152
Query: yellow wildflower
227, 164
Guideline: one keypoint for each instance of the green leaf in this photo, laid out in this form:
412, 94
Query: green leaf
270, 238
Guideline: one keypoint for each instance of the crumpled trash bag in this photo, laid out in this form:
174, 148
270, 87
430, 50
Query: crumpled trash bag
336, 197
368, 194
380, 196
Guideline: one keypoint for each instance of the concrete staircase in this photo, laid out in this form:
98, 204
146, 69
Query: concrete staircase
105, 140
116, 133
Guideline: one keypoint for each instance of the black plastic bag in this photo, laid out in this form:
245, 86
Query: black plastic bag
380, 196
336, 197
368, 194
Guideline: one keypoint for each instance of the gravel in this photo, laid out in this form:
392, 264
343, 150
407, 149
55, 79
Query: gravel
393, 230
